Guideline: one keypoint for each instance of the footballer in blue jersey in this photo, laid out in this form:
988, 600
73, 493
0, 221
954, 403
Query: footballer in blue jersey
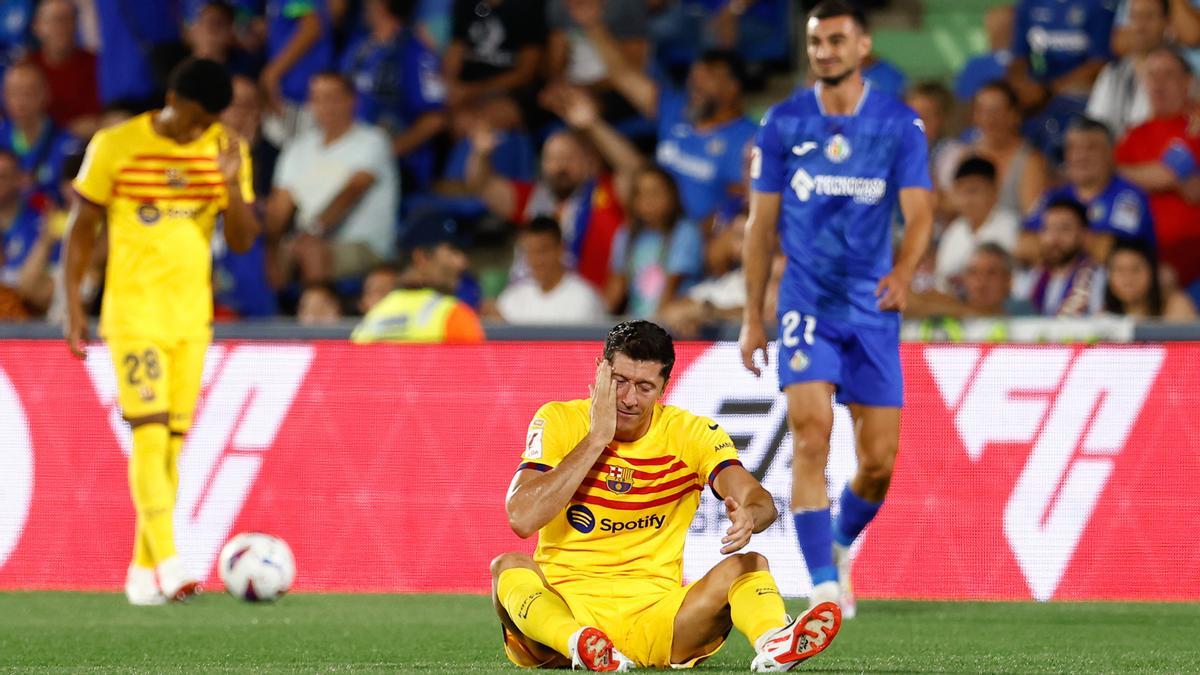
830, 167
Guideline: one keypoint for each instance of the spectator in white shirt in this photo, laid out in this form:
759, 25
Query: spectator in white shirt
980, 220
550, 294
1118, 99
338, 181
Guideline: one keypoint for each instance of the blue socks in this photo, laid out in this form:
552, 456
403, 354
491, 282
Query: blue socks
855, 513
815, 533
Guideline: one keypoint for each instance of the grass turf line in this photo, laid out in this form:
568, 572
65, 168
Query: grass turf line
98, 632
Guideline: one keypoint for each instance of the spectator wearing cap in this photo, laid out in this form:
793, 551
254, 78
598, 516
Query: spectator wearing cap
29, 133
338, 183
423, 308
1135, 287
1066, 282
571, 189
1161, 157
1116, 208
701, 133
551, 294
400, 89
1118, 98
980, 220
70, 70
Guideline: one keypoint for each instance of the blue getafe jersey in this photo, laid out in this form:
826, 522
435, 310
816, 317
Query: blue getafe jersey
1121, 210
1058, 36
283, 18
840, 179
704, 164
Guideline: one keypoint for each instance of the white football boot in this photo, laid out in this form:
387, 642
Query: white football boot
141, 587
783, 649
841, 558
592, 650
176, 583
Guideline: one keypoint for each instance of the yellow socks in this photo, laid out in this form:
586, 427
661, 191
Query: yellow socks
174, 448
755, 605
538, 612
153, 494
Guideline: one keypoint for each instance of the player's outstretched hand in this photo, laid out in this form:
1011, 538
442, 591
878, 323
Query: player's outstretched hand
76, 332
604, 404
741, 527
752, 339
892, 291
229, 159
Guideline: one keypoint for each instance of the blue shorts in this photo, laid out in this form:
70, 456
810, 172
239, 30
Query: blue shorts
863, 363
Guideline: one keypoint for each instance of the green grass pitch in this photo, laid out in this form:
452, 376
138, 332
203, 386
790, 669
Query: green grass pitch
98, 632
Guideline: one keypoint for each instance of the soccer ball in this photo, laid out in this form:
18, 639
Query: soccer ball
256, 567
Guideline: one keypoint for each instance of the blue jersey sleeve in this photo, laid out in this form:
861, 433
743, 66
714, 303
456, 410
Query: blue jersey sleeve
911, 168
685, 255
768, 158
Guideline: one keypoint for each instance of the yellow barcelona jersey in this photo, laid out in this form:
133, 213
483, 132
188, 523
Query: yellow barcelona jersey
162, 200
630, 517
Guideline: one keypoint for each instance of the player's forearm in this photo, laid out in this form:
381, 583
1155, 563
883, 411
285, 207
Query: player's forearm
762, 509
534, 503
241, 225
756, 261
918, 229
81, 238
425, 128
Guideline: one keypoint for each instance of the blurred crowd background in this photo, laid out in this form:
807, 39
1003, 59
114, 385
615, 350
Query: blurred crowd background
435, 163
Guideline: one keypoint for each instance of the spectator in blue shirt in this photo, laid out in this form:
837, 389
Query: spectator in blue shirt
136, 35
15, 18
992, 65
29, 133
659, 254
400, 88
701, 133
20, 223
1116, 208
1058, 50
299, 45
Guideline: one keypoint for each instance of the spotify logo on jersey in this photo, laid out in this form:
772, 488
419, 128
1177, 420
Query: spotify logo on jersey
580, 517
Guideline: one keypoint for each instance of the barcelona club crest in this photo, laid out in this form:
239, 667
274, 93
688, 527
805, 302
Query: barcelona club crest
619, 479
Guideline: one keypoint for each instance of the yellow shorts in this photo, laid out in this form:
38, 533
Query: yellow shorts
639, 617
156, 377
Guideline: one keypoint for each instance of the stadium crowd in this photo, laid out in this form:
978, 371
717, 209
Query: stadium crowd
563, 161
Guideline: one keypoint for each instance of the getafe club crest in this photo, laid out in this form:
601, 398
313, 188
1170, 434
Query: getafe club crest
619, 479
837, 150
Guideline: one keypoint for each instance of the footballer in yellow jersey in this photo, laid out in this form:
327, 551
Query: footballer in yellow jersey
159, 181
610, 485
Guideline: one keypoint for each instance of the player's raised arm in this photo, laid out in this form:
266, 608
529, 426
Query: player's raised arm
241, 225
757, 248
82, 225
535, 498
748, 505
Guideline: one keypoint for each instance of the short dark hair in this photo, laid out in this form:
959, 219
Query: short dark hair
995, 250
976, 166
545, 225
1005, 89
935, 91
1085, 123
728, 58
828, 9
203, 81
641, 341
1072, 205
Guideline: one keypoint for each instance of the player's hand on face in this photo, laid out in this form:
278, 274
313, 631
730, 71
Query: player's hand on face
752, 339
76, 332
229, 159
741, 527
892, 291
604, 404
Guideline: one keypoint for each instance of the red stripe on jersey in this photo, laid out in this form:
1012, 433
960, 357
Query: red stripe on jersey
636, 506
649, 461
205, 197
189, 186
600, 470
162, 169
173, 158
645, 489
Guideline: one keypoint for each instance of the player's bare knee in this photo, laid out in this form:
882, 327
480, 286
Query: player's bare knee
508, 561
878, 468
813, 427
